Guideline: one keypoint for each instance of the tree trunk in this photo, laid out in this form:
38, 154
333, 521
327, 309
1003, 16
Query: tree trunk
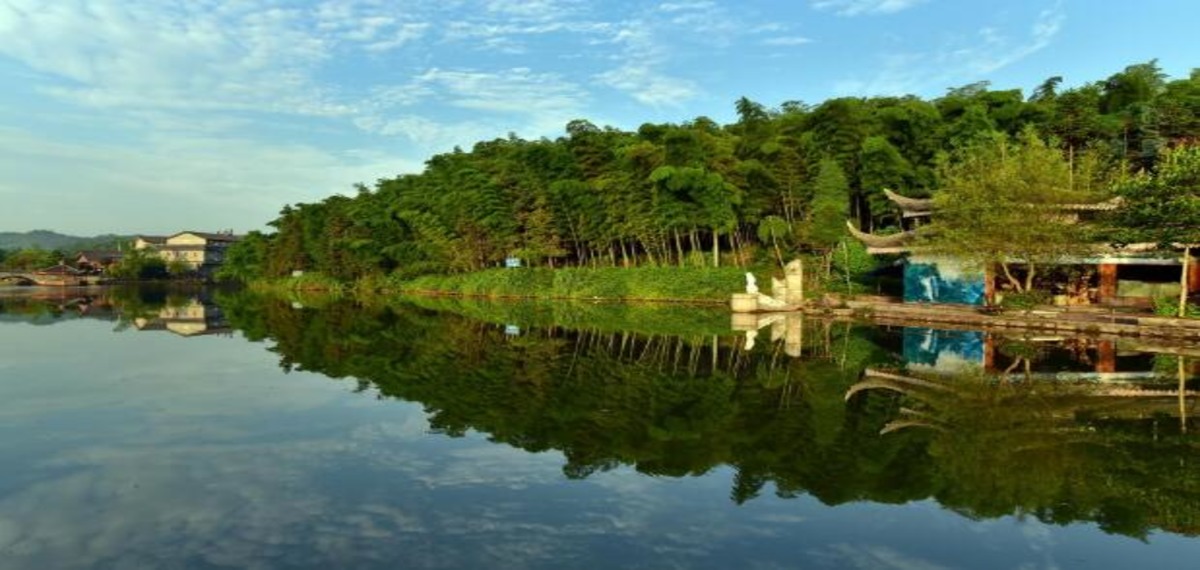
1008, 275
1182, 392
1029, 277
736, 246
678, 248
778, 254
650, 254
716, 248
1183, 281
846, 254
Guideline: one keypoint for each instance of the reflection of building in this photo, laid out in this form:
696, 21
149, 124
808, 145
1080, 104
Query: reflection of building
938, 351
193, 319
201, 252
60, 274
1134, 274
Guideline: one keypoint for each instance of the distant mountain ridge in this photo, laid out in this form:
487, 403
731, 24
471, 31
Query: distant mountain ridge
47, 239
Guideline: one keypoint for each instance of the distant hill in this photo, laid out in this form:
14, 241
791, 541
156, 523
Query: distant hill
46, 239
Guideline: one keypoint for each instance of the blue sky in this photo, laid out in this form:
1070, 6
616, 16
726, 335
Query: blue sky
155, 116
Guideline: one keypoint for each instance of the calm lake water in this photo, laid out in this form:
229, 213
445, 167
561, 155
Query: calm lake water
225, 430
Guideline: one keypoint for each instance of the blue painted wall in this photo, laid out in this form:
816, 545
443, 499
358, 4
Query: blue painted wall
941, 281
941, 349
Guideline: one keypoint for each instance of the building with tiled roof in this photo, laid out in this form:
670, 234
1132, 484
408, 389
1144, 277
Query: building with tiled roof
202, 252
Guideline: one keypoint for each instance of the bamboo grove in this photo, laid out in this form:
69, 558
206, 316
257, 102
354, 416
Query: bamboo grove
700, 193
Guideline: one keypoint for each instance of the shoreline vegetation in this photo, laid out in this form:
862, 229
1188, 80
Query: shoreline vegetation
700, 285
641, 289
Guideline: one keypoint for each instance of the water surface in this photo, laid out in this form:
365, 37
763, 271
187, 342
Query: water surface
208, 430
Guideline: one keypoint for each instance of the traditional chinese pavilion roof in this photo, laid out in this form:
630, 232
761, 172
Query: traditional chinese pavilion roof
921, 207
98, 256
891, 243
911, 207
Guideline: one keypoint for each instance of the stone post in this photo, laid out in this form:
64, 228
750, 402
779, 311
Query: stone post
744, 303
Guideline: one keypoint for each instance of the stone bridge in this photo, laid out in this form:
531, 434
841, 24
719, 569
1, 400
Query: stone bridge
13, 278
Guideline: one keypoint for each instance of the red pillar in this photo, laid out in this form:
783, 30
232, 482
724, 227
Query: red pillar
989, 284
989, 352
1193, 275
1106, 360
1108, 282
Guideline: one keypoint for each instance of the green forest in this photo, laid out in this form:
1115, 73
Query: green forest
775, 183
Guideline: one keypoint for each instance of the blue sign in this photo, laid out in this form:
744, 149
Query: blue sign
512, 262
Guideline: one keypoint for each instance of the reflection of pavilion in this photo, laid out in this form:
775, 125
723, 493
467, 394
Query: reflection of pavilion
193, 319
975, 371
1052, 357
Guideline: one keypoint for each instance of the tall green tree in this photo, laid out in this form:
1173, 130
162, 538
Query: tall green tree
1163, 207
882, 167
1001, 205
825, 227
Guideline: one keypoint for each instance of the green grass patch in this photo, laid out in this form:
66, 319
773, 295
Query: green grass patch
640, 283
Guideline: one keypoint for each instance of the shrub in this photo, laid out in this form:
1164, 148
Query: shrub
1024, 300
1168, 306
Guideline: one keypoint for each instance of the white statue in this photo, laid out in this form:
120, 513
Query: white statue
751, 284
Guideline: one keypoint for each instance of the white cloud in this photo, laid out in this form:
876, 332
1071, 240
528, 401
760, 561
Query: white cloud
516, 100
402, 35
787, 41
534, 10
685, 6
641, 71
121, 54
649, 86
859, 7
517, 90
874, 557
426, 133
995, 51
966, 60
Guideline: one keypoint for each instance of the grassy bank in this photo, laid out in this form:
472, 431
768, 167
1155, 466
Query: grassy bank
641, 283
681, 284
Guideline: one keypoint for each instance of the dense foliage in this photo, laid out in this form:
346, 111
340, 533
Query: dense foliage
775, 181
1002, 205
1163, 208
30, 259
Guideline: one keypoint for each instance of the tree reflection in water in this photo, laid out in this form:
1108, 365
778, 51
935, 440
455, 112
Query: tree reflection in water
839, 412
631, 386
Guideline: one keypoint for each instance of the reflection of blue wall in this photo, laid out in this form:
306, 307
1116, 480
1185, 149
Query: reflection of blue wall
926, 346
941, 281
